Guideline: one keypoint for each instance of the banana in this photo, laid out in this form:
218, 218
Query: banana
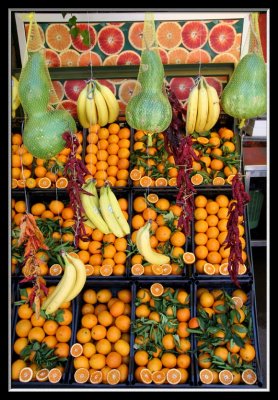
192, 108
91, 188
81, 108
108, 214
213, 107
92, 210
102, 110
88, 222
80, 276
202, 113
15, 96
117, 211
90, 106
145, 249
111, 102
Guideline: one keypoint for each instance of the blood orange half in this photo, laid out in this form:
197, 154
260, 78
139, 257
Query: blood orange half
222, 37
194, 34
135, 35
169, 34
198, 56
225, 58
128, 57
56, 97
73, 88
89, 58
58, 37
52, 58
108, 84
110, 60
78, 42
181, 87
126, 90
68, 105
215, 83
111, 40
69, 58
178, 56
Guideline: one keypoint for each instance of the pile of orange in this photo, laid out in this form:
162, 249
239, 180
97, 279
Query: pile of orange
165, 237
210, 232
107, 154
32, 172
151, 164
28, 328
162, 353
102, 348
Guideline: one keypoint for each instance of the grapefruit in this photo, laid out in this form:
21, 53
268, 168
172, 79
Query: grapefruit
110, 60
222, 37
68, 105
168, 34
35, 45
73, 88
225, 58
52, 58
135, 35
111, 40
89, 58
57, 94
198, 56
109, 84
177, 55
78, 42
69, 58
215, 83
181, 87
194, 34
128, 57
126, 90
58, 37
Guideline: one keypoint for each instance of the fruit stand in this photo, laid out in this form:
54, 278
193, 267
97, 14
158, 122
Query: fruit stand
131, 264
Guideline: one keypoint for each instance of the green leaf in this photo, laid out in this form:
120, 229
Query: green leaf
59, 317
74, 31
20, 302
238, 341
36, 346
240, 328
72, 21
213, 329
223, 318
23, 292
221, 308
86, 37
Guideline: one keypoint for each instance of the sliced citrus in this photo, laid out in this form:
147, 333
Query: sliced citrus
137, 269
14, 183
69, 58
26, 374
166, 269
42, 375
55, 270
218, 181
113, 376
173, 376
172, 182
197, 179
76, 350
96, 377
157, 289
209, 269
161, 182
202, 140
206, 376
58, 37
89, 269
146, 181
21, 183
54, 375
237, 301
188, 257
61, 183
135, 174
229, 179
44, 183
226, 377
81, 375
106, 270
158, 377
223, 269
152, 198
249, 376
242, 269
146, 375
157, 269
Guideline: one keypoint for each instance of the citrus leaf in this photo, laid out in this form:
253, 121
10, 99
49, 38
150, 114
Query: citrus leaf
72, 21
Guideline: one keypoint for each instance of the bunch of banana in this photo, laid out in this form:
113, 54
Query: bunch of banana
96, 104
103, 212
145, 249
203, 108
70, 285
15, 97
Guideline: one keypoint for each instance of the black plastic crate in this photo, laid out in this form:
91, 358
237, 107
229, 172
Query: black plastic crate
249, 288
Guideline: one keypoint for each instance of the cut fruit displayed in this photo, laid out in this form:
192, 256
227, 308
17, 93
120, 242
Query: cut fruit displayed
137, 269
173, 182
81, 375
202, 140
242, 269
89, 269
157, 269
61, 183
135, 35
218, 180
188, 257
215, 83
113, 376
206, 376
249, 376
225, 58
54, 375
146, 181
226, 377
57, 94
96, 377
173, 376
78, 42
58, 37
152, 198
110, 60
76, 350
223, 269
109, 84
111, 40
14, 183
209, 269
119, 24
222, 37
166, 269
237, 301
69, 58
68, 105
158, 377
26, 374
106, 270
52, 58
168, 34
197, 179
182, 87
177, 56
157, 289
135, 174
44, 183
198, 56
229, 179
160, 182
33, 44
126, 90
89, 58
55, 270
194, 34
73, 88
146, 376
42, 375
128, 57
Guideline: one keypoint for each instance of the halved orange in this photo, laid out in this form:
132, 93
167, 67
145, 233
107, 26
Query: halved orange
137, 269
229, 179
14, 183
160, 182
89, 269
202, 140
206, 376
96, 377
76, 350
146, 181
42, 375
188, 257
113, 376
81, 375
242, 269
173, 182
55, 270
44, 183
209, 269
135, 174
157, 289
26, 374
158, 377
21, 183
157, 269
226, 377
218, 181
173, 376
54, 375
166, 269
197, 179
223, 269
106, 270
238, 302
146, 375
249, 376
152, 198
61, 183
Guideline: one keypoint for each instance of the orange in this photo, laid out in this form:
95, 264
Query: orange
139, 204
36, 333
113, 359
124, 295
225, 377
56, 206
98, 332
23, 328
228, 171
201, 226
247, 353
38, 209
204, 360
213, 245
122, 347
206, 376
169, 360
89, 321
249, 376
141, 357
200, 238
90, 296
206, 299
201, 252
200, 213
214, 257
163, 233
63, 333
62, 349
20, 344
24, 311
